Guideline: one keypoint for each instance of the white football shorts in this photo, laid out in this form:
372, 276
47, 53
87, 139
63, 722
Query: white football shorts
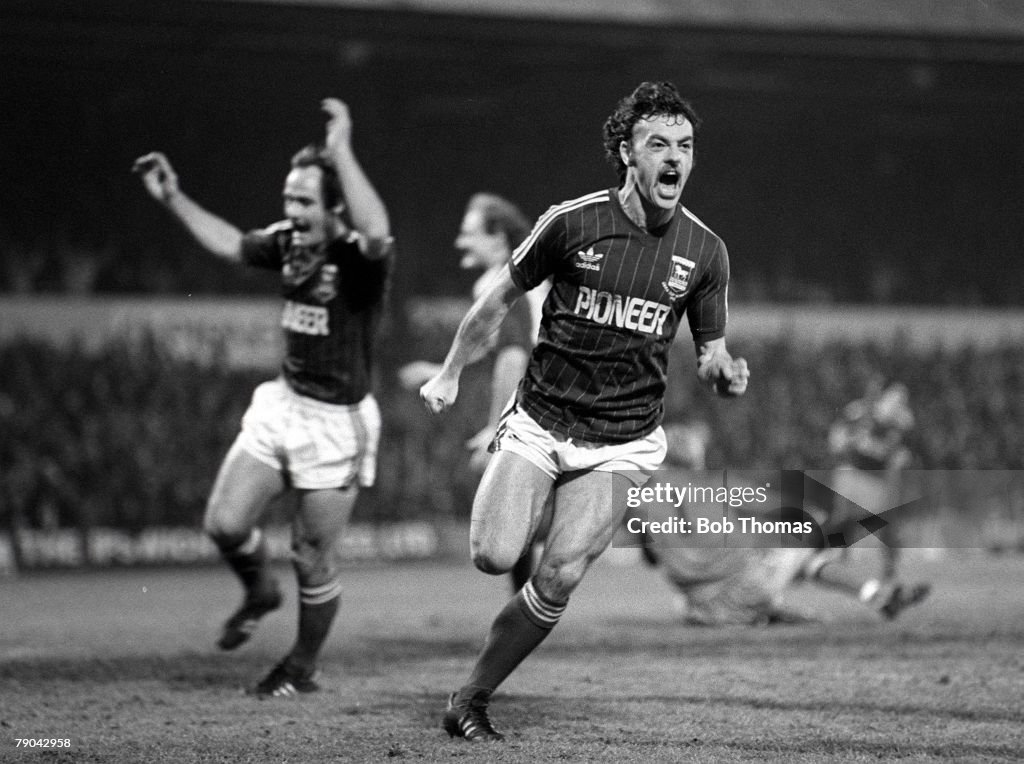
555, 454
317, 445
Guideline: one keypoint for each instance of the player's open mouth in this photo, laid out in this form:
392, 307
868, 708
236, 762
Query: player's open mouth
669, 183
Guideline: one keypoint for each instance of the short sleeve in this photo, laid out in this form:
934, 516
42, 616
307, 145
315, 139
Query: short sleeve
365, 280
708, 310
262, 247
538, 255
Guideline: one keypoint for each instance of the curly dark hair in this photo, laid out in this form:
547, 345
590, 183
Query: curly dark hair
649, 99
315, 155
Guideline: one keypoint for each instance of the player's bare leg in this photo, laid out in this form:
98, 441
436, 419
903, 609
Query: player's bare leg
508, 510
889, 598
523, 570
583, 522
889, 551
507, 513
582, 526
319, 523
241, 493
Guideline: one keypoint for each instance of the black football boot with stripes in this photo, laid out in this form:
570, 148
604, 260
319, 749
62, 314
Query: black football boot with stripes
469, 720
286, 680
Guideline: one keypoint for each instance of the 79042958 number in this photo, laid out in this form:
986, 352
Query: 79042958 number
42, 742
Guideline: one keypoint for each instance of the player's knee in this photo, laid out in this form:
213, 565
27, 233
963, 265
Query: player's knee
491, 560
558, 578
225, 531
313, 561
494, 548
313, 572
491, 564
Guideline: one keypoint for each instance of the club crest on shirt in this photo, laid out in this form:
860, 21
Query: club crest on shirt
589, 260
326, 288
299, 265
679, 277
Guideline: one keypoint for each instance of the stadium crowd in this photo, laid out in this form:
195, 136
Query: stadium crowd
130, 436
58, 265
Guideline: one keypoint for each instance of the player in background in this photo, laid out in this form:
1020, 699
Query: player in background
314, 430
868, 442
628, 264
735, 585
748, 586
492, 227
716, 586
729, 585
713, 586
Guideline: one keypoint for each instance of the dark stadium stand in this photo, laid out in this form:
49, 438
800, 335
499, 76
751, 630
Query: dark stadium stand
852, 155
846, 145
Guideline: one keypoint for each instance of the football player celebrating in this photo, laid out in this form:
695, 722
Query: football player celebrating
627, 263
313, 430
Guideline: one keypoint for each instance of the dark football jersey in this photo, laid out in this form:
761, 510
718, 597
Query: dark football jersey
869, 437
598, 372
334, 297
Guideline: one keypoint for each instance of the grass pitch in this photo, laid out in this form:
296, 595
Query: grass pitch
122, 664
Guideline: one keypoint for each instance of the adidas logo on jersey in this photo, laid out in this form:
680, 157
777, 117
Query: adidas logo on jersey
589, 259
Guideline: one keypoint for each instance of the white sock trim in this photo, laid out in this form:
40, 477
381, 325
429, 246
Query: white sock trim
542, 611
318, 595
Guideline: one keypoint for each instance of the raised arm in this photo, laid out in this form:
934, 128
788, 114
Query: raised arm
725, 375
212, 232
366, 209
483, 319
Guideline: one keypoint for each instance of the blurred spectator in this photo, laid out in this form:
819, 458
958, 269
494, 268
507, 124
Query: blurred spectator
59, 263
131, 436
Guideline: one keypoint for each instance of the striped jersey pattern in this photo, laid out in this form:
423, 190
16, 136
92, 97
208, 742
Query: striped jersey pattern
334, 298
598, 371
